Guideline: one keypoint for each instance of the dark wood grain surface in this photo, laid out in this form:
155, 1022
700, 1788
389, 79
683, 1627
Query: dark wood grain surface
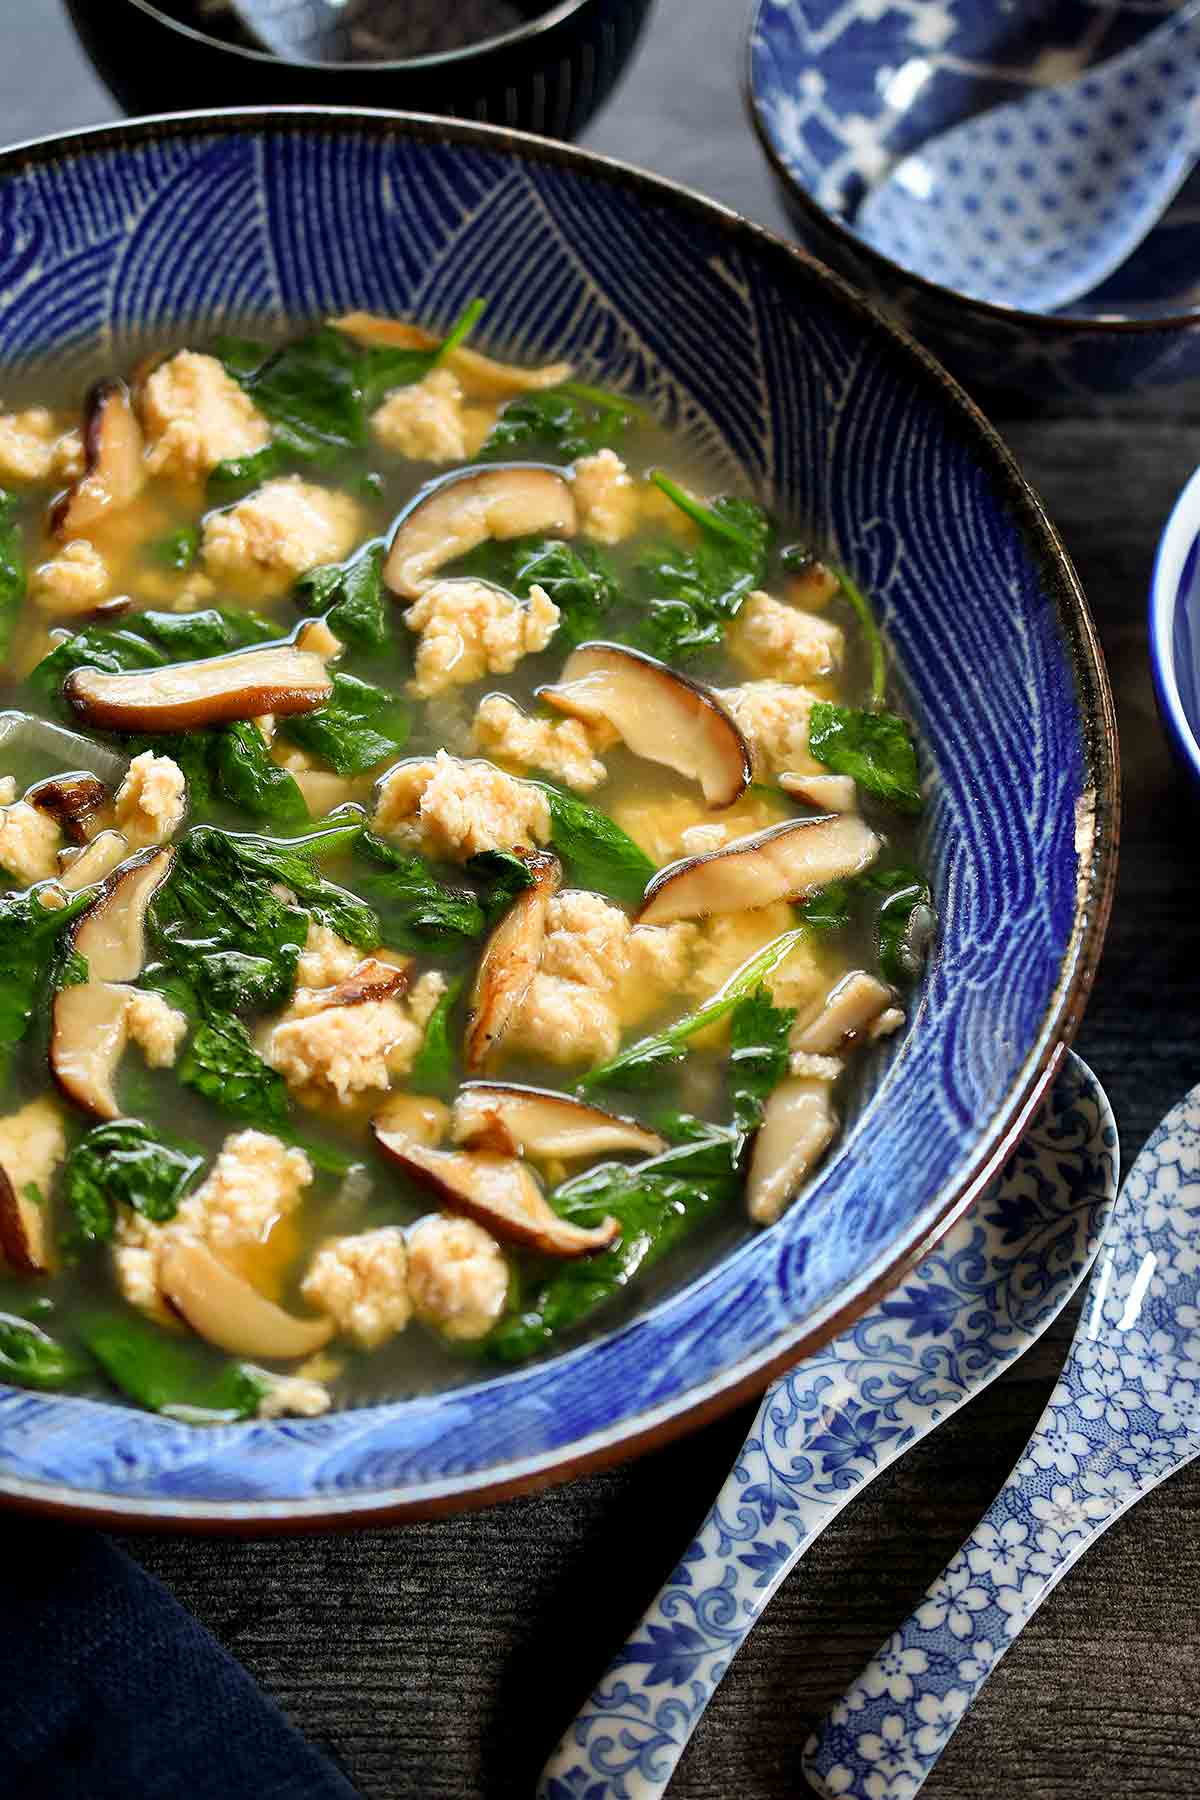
440, 1661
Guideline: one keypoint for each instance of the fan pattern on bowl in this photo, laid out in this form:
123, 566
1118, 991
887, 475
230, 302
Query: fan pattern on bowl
833, 420
844, 88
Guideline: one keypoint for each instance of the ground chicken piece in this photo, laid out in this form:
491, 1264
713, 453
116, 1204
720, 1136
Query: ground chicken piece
31, 446
315, 636
773, 718
561, 748
452, 809
457, 1276
565, 1022
8, 789
30, 840
292, 1396
326, 958
322, 790
73, 582
196, 415
79, 868
769, 638
350, 1049
262, 544
606, 497
362, 1282
425, 420
155, 1027
151, 800
32, 1144
727, 940
469, 630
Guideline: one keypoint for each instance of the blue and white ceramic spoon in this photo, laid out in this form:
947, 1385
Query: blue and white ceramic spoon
1033, 204
1124, 1415
996, 1282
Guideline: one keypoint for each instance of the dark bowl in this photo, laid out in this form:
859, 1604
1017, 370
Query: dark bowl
548, 76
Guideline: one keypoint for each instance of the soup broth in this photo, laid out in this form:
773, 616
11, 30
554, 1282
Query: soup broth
483, 849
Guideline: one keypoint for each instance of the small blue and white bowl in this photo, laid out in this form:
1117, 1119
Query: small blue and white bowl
1175, 627
839, 90
784, 378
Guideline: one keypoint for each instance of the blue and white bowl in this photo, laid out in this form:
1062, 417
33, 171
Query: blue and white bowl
1175, 627
784, 375
839, 90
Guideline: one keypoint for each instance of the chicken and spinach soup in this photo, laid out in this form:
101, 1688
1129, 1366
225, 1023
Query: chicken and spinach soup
453, 857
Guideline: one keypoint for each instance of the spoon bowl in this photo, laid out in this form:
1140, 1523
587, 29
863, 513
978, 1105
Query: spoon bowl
351, 31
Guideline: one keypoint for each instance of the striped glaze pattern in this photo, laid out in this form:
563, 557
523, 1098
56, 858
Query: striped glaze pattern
835, 420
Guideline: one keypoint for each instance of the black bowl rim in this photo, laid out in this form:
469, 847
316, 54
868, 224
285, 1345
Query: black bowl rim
555, 15
1093, 900
885, 269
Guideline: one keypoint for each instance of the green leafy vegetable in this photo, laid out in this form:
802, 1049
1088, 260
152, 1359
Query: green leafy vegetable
689, 596
876, 748
12, 570
433, 1070
294, 863
595, 851
351, 597
29, 933
122, 1160
501, 876
891, 901
237, 474
830, 908
171, 1375
652, 1054
178, 549
560, 424
657, 1202
418, 912
244, 772
222, 1064
579, 578
359, 725
758, 1053
71, 970
31, 1358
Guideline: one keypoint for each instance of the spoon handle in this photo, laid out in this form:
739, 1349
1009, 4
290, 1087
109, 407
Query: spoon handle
1082, 1469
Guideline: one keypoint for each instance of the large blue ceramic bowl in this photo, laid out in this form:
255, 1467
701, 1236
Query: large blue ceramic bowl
840, 89
781, 374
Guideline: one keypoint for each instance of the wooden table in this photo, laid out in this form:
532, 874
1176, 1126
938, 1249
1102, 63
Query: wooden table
440, 1662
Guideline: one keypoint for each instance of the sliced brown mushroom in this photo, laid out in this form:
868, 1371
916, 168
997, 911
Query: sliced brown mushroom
88, 1030
785, 862
114, 471
829, 793
797, 1127
499, 1192
73, 800
660, 714
24, 1238
529, 1121
181, 696
371, 980
106, 850
509, 962
485, 378
461, 512
856, 1002
228, 1311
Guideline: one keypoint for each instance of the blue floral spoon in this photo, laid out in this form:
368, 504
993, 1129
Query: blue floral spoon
999, 1278
1033, 204
1124, 1415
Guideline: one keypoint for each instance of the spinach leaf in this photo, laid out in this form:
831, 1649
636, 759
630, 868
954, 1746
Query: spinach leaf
657, 1202
560, 424
758, 1054
905, 924
29, 933
433, 1070
689, 596
12, 570
222, 1064
417, 911
294, 863
122, 1160
175, 1376
876, 748
650, 1055
243, 771
178, 549
595, 851
185, 637
359, 726
830, 908
351, 597
501, 876
31, 1358
236, 475
579, 578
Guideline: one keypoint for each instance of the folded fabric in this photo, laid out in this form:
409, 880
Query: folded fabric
109, 1690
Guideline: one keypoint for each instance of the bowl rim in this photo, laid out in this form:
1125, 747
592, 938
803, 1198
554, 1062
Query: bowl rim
1064, 1010
1176, 543
887, 270
529, 29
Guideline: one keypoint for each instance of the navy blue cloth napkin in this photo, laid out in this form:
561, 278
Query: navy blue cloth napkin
109, 1690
